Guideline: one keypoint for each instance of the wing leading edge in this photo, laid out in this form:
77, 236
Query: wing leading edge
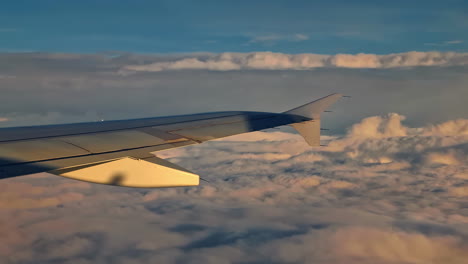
119, 152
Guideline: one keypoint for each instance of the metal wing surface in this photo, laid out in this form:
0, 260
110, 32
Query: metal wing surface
119, 152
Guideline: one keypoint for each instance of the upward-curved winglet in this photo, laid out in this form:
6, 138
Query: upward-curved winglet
310, 130
315, 108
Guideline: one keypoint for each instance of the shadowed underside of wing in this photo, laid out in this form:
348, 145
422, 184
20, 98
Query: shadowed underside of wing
119, 152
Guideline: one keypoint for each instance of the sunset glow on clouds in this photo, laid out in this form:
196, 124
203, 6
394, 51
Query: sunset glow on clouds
269, 60
389, 187
382, 193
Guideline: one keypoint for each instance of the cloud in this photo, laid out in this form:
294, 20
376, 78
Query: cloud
272, 38
191, 63
367, 245
390, 184
443, 158
457, 127
264, 38
454, 42
445, 43
384, 192
7, 30
275, 61
379, 127
300, 37
386, 246
63, 88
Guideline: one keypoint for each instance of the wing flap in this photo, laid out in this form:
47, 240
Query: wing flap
131, 172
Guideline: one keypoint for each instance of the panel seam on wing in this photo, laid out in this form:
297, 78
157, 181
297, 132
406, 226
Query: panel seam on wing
75, 146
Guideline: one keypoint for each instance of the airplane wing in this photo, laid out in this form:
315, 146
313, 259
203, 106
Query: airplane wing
119, 152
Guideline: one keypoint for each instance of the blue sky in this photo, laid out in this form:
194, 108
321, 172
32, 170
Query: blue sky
169, 26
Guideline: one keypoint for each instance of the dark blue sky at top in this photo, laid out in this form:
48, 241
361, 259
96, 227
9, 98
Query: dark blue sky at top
289, 26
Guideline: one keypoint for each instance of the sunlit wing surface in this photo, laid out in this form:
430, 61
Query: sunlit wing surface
119, 152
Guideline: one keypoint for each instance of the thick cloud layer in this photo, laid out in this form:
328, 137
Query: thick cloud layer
382, 193
281, 61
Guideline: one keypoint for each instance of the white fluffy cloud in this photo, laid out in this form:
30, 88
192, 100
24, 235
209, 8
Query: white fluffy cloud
275, 61
382, 193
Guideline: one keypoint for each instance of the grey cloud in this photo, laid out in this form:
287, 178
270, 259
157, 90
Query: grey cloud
61, 88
